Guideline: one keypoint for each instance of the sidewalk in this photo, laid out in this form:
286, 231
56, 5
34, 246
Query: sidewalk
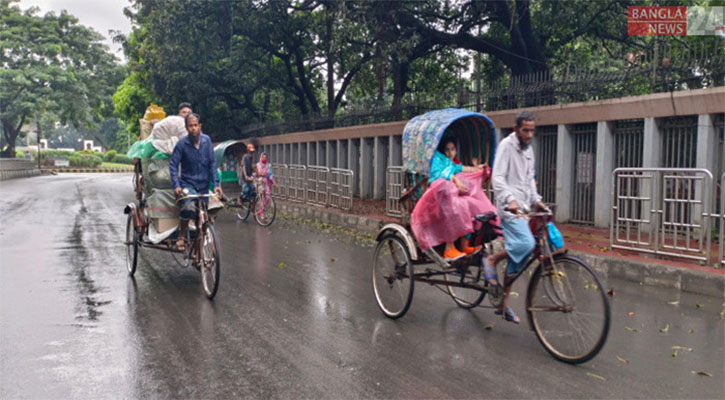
592, 244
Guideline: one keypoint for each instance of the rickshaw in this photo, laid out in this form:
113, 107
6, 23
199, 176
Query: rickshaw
566, 303
202, 246
228, 157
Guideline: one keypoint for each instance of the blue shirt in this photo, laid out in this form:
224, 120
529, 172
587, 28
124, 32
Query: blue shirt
198, 165
443, 167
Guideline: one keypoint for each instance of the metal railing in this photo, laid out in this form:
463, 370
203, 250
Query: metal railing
663, 211
281, 178
314, 185
394, 190
340, 188
296, 183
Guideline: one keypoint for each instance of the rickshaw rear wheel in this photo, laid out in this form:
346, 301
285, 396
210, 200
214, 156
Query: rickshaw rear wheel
131, 246
465, 297
392, 277
244, 210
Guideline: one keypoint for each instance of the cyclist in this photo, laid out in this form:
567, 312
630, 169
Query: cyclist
514, 188
246, 180
195, 153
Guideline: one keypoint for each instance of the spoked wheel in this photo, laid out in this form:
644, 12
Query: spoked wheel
568, 309
265, 210
392, 277
209, 261
131, 246
465, 297
243, 210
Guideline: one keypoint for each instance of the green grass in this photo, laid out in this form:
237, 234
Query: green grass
116, 165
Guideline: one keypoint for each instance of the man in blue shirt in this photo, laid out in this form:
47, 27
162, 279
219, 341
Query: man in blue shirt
195, 153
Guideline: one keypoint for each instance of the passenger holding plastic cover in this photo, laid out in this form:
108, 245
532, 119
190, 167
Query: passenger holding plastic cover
195, 153
515, 188
444, 166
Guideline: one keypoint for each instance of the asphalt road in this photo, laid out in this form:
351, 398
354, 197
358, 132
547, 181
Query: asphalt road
295, 317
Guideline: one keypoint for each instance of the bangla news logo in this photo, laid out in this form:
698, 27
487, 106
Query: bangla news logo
675, 21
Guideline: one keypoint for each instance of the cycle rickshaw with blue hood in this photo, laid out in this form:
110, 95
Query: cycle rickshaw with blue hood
566, 304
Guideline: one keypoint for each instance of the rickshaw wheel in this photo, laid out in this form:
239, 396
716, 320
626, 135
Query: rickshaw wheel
209, 261
464, 297
392, 277
244, 209
131, 246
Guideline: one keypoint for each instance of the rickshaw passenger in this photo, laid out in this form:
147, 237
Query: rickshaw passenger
514, 186
246, 181
445, 166
195, 153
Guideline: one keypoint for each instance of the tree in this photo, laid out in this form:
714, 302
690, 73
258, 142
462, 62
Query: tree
51, 64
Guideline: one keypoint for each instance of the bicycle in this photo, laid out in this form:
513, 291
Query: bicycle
263, 204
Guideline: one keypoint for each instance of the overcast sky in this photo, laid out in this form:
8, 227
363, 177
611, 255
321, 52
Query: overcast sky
101, 15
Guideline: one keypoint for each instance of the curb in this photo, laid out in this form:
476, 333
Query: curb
20, 173
88, 170
650, 274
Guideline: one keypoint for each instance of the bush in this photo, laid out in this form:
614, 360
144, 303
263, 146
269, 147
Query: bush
121, 159
19, 154
84, 160
46, 155
109, 155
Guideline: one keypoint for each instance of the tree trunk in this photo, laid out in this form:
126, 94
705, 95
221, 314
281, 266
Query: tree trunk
400, 83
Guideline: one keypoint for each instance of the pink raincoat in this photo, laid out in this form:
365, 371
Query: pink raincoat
443, 215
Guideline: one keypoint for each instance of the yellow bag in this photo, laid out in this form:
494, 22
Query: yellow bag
154, 112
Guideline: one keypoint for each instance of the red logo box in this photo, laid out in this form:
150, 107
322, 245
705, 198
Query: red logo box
656, 21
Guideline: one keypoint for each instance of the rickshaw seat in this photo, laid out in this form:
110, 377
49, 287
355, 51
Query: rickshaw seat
485, 218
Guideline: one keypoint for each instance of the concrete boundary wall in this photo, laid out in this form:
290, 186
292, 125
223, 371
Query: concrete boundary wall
369, 149
11, 168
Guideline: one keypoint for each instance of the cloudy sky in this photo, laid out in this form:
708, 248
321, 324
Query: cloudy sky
101, 15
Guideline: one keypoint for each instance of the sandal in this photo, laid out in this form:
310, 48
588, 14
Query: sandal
509, 315
490, 273
180, 245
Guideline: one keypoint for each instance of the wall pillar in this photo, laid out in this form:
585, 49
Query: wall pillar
564, 175
603, 179
380, 162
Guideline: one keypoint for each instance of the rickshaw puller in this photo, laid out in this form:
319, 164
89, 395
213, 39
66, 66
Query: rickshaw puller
195, 153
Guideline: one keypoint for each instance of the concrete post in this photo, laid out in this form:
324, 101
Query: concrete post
331, 153
353, 158
380, 163
603, 179
311, 153
342, 154
707, 148
652, 144
396, 151
366, 168
564, 173
321, 159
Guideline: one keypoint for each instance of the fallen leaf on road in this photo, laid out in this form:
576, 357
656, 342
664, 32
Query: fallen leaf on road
623, 360
489, 327
681, 348
631, 314
698, 305
332, 260
665, 329
674, 303
596, 376
515, 294
281, 265
610, 292
701, 373
630, 329
692, 331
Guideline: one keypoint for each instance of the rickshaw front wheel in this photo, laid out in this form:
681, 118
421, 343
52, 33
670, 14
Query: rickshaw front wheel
131, 245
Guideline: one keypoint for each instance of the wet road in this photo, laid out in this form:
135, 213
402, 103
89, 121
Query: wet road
295, 317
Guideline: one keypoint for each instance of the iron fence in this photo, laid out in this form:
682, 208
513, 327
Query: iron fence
585, 151
628, 143
316, 185
394, 190
546, 137
675, 211
679, 136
